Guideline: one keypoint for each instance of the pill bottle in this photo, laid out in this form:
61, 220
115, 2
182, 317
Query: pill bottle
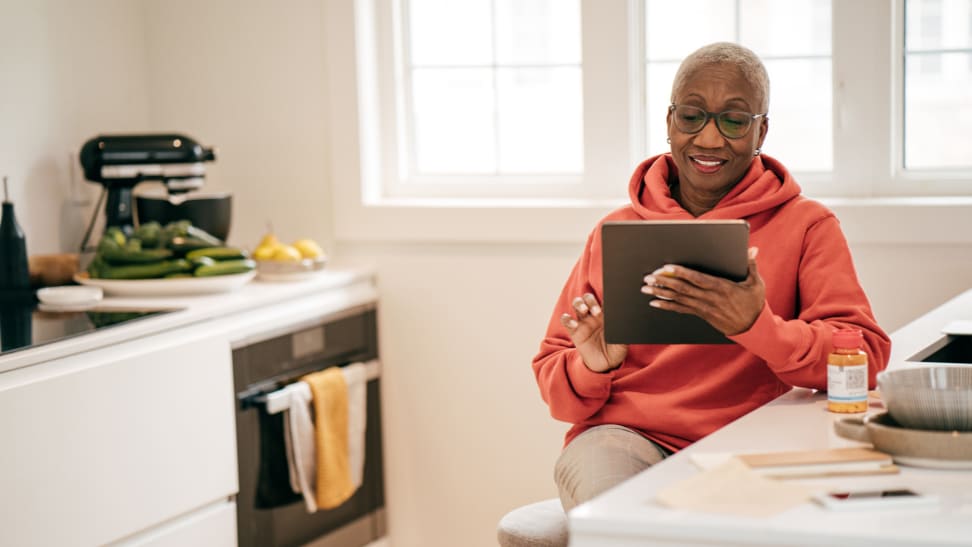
847, 373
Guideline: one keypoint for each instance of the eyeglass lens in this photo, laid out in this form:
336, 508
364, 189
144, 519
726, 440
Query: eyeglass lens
732, 124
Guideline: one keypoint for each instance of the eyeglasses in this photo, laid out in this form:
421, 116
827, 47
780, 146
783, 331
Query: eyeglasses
733, 124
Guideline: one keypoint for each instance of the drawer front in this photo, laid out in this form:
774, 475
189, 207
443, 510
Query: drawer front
115, 441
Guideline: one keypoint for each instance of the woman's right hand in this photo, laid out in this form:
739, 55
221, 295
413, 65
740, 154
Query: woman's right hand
586, 330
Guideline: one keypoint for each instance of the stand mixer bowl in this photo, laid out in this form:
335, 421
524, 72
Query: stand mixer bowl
209, 212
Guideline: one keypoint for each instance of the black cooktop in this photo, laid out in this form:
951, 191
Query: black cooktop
27, 325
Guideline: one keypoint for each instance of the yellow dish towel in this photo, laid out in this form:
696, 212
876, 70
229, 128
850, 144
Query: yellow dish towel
330, 394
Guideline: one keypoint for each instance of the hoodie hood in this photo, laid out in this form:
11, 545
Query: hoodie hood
766, 185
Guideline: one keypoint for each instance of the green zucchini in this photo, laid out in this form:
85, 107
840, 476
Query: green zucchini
225, 267
218, 253
125, 256
152, 270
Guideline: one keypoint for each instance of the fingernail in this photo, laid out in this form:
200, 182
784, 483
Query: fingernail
596, 310
649, 280
582, 308
668, 270
655, 303
647, 289
572, 324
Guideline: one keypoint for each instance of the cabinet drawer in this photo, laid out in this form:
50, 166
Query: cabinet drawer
114, 441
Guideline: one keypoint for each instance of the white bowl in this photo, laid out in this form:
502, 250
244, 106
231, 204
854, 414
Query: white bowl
929, 397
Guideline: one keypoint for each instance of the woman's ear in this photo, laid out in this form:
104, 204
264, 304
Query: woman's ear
763, 130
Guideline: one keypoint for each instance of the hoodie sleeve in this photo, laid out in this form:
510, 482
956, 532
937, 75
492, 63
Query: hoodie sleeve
830, 297
571, 390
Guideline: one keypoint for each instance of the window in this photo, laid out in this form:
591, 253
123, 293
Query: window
534, 107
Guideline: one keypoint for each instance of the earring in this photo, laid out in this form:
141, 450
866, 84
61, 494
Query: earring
757, 152
668, 140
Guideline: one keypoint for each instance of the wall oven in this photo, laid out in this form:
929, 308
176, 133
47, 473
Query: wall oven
269, 513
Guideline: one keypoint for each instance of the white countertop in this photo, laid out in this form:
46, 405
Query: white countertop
357, 284
628, 514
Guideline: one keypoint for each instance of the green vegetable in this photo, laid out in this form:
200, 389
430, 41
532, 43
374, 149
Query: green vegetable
203, 235
185, 244
129, 252
150, 234
218, 253
225, 267
144, 271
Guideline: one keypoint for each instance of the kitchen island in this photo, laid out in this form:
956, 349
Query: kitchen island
629, 515
127, 435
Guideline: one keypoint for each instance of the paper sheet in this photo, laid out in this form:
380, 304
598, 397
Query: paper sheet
731, 488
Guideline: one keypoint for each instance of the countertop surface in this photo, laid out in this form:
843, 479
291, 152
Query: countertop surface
357, 285
629, 514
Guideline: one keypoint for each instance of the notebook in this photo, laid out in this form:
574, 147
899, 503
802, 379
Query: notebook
807, 463
633, 249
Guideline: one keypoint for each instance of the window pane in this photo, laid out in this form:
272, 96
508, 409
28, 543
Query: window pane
800, 120
806, 33
495, 87
938, 111
675, 29
937, 83
537, 31
453, 120
792, 37
540, 120
446, 32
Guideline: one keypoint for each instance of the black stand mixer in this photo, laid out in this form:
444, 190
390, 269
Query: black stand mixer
120, 162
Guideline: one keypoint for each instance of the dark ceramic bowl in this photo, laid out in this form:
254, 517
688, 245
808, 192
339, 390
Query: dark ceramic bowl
209, 212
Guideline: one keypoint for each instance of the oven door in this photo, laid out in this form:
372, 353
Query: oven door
269, 513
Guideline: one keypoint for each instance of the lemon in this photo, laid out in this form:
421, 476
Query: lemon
286, 253
265, 252
308, 248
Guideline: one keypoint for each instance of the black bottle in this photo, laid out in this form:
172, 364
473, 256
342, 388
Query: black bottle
14, 273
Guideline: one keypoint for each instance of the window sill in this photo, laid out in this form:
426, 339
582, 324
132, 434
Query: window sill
926, 220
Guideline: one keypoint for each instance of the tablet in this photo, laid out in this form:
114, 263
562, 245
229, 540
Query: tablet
633, 249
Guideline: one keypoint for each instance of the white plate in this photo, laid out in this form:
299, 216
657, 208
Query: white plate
70, 296
168, 287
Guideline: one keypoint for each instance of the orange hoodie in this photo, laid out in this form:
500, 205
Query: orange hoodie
677, 394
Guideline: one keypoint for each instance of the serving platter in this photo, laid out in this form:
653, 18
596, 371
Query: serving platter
168, 287
914, 447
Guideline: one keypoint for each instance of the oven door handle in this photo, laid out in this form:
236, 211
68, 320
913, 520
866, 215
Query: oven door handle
260, 395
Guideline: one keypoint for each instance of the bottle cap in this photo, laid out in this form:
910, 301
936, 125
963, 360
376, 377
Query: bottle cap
848, 338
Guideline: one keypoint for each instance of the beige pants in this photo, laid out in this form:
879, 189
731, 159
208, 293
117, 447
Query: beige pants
602, 457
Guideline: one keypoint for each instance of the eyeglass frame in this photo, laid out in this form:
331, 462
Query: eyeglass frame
715, 116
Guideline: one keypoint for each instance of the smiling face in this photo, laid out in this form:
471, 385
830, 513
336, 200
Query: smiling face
709, 164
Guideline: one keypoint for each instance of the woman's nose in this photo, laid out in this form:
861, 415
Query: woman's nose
709, 136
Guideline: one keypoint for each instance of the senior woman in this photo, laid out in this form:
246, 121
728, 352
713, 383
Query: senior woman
631, 406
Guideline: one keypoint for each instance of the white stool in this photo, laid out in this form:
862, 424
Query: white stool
540, 524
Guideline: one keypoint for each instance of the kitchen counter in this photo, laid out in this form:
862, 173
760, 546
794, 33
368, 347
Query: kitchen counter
127, 435
628, 515
356, 288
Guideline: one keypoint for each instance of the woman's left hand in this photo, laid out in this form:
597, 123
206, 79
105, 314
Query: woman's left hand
728, 306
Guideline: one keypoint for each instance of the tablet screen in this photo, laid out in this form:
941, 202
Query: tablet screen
633, 249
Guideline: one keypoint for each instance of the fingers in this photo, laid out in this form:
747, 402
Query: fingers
584, 307
753, 271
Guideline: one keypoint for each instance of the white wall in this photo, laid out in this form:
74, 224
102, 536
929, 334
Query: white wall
68, 71
467, 436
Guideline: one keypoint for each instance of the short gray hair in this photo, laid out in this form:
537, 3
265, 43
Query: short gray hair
727, 53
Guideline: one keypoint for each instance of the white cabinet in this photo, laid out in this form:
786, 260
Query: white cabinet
102, 445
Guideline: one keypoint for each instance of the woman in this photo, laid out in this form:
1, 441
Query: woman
632, 406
